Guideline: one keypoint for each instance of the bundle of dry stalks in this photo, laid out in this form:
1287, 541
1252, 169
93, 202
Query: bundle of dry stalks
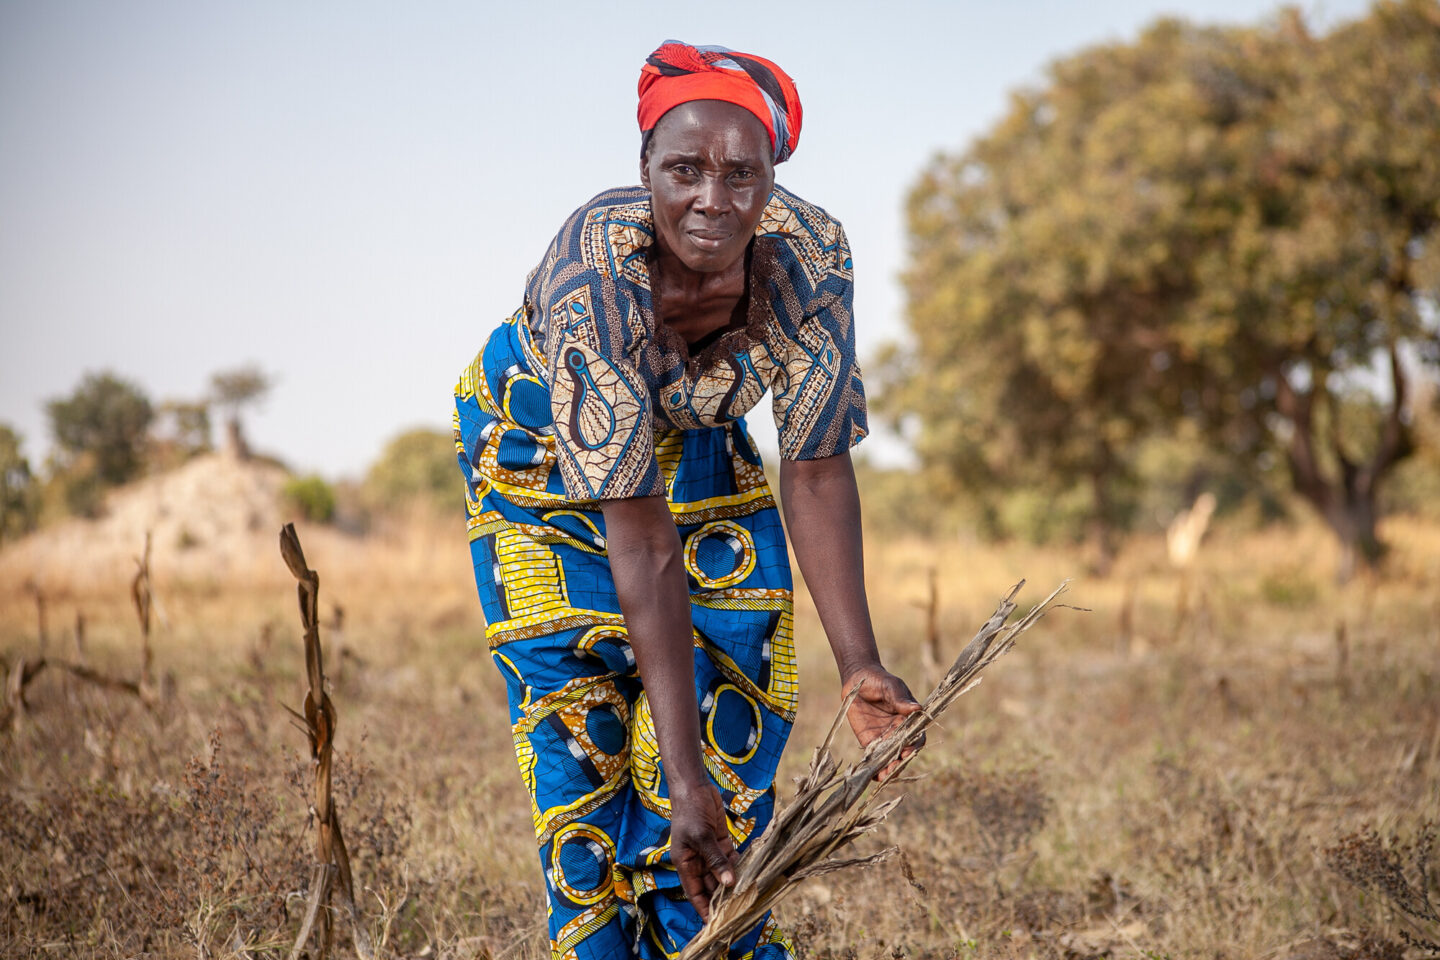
831, 808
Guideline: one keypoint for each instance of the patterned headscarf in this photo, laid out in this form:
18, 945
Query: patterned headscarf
677, 73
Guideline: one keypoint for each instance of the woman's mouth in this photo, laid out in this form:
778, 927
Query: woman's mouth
709, 239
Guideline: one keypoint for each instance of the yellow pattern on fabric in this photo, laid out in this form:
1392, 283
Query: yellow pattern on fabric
721, 508
533, 581
737, 538
710, 724
771, 934
586, 923
784, 670
549, 534
669, 445
781, 698
547, 621
743, 598
645, 758
573, 703
584, 831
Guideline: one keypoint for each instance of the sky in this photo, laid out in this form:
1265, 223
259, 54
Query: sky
350, 194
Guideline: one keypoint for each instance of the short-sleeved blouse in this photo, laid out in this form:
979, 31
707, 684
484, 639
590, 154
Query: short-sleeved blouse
616, 375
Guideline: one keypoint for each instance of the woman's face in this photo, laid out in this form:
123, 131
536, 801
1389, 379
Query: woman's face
709, 174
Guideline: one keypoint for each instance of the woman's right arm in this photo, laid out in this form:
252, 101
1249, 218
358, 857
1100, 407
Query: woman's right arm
646, 561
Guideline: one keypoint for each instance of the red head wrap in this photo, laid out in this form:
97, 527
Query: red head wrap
677, 73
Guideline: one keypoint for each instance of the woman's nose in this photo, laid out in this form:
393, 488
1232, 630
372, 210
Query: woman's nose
712, 198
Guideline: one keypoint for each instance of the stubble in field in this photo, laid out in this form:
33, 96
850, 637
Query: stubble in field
1131, 782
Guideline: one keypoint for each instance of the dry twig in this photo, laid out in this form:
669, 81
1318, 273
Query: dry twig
18, 677
141, 596
332, 863
831, 808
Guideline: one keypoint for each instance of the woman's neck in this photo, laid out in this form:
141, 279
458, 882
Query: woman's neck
693, 303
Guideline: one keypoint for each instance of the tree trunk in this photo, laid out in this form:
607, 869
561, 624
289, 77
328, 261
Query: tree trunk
1101, 530
1352, 519
235, 444
1347, 501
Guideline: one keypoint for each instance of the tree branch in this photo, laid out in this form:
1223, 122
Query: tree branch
1298, 408
1396, 440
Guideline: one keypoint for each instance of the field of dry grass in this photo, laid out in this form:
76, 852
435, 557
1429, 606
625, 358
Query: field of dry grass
1126, 783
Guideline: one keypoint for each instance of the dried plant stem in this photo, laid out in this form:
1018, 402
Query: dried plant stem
19, 675
930, 660
831, 808
332, 863
16, 679
141, 596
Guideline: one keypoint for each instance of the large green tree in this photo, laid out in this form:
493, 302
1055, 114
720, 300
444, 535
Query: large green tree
104, 424
1220, 233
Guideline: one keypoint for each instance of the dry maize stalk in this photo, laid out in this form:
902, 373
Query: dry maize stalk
831, 808
332, 863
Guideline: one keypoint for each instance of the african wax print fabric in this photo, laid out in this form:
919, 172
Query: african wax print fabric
582, 396
614, 372
581, 723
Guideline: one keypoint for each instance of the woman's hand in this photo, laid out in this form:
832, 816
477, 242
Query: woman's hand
700, 846
883, 703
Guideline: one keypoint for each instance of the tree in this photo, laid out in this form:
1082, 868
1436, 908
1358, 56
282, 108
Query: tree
102, 424
184, 432
1219, 233
416, 465
234, 389
191, 425
19, 503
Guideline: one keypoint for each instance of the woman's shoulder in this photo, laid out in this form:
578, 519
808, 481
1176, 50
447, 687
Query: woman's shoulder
788, 214
807, 240
617, 202
608, 231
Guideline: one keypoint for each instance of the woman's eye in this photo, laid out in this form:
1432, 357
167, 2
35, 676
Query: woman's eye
684, 169
743, 175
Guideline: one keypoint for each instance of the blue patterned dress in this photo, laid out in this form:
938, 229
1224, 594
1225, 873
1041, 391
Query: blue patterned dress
580, 397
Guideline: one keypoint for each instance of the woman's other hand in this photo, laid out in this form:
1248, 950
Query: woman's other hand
882, 704
700, 846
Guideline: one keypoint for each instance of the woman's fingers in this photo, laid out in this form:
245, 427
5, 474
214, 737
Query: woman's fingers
898, 695
722, 872
702, 850
693, 885
881, 706
702, 874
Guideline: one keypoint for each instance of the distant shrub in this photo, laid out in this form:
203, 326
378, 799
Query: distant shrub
19, 491
106, 418
1044, 516
311, 497
416, 465
73, 489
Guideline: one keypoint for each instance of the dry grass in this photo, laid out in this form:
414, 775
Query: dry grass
1126, 783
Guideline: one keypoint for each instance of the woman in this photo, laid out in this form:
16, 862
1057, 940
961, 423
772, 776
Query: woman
627, 549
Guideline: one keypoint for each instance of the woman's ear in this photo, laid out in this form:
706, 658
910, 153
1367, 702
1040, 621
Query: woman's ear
645, 169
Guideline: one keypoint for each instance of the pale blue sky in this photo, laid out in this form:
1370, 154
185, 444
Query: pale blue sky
350, 194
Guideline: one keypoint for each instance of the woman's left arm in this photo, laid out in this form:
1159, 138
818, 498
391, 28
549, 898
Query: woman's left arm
822, 514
